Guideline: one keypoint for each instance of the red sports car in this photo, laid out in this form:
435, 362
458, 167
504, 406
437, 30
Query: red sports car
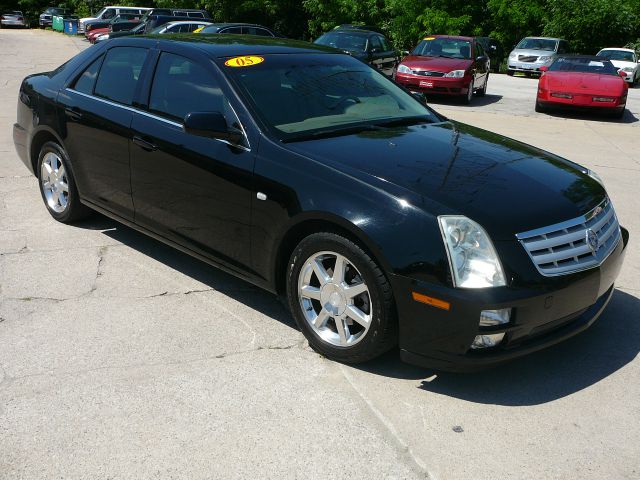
582, 82
96, 32
446, 65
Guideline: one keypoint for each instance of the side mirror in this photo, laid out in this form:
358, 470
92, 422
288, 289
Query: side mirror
544, 68
482, 58
212, 125
405, 53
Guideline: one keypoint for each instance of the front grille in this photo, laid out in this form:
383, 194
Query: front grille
578, 244
527, 58
428, 73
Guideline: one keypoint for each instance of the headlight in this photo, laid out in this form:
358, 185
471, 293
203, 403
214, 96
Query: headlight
544, 59
455, 74
627, 69
473, 260
512, 56
403, 69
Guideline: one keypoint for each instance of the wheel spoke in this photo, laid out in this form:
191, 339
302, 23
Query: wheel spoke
355, 290
358, 315
311, 292
321, 273
64, 186
343, 330
63, 199
48, 169
55, 197
338, 269
321, 320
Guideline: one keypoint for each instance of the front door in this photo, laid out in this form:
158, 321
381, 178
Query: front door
193, 190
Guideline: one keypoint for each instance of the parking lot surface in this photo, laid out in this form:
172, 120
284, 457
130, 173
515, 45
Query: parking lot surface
122, 358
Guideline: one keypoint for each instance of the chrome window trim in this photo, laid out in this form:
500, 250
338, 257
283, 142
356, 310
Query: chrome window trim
166, 120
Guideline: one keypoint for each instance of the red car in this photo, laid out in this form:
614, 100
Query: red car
93, 34
446, 65
581, 81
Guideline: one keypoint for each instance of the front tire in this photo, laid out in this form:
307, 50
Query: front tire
57, 185
483, 91
540, 108
469, 96
340, 299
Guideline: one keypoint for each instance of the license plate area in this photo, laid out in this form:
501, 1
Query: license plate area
426, 84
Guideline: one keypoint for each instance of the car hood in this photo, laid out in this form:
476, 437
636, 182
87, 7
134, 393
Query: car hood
438, 64
506, 186
533, 53
588, 83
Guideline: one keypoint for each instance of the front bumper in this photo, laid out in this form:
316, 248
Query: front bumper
517, 66
434, 85
542, 315
13, 23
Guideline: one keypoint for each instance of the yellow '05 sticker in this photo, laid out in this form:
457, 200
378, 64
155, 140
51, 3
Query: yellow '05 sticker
429, 38
245, 61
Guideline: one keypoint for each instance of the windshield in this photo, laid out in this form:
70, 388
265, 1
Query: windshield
303, 96
100, 13
537, 44
583, 65
351, 42
158, 29
443, 47
620, 55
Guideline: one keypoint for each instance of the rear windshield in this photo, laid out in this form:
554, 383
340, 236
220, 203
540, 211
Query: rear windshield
352, 42
537, 44
296, 95
620, 55
443, 47
583, 65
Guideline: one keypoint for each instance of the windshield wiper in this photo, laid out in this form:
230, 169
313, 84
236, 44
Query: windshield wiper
333, 132
396, 122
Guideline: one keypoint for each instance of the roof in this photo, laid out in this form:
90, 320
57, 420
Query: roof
352, 31
620, 49
231, 45
546, 38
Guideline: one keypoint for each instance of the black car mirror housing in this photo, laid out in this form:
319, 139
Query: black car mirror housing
212, 125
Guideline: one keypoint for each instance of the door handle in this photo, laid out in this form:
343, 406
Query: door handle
148, 146
72, 113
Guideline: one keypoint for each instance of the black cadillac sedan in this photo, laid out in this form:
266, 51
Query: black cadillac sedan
310, 174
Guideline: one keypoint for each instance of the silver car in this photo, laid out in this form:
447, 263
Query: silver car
534, 52
13, 18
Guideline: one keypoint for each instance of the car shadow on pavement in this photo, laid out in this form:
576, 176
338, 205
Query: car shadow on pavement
488, 99
592, 117
612, 342
231, 286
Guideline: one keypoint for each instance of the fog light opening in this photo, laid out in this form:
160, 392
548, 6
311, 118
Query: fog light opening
492, 318
487, 341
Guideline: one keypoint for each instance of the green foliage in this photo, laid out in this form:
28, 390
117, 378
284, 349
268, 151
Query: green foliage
588, 24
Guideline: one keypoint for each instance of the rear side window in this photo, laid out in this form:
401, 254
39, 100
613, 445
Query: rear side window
181, 86
87, 80
374, 42
119, 74
195, 14
256, 31
385, 44
236, 30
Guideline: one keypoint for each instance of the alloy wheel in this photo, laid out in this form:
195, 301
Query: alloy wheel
334, 298
55, 184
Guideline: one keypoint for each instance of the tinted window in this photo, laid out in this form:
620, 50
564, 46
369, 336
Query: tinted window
297, 94
181, 86
87, 80
385, 44
374, 42
444, 47
620, 55
109, 13
195, 14
352, 42
235, 30
256, 31
583, 65
119, 74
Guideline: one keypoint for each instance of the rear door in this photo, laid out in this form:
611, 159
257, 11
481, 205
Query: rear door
96, 119
193, 190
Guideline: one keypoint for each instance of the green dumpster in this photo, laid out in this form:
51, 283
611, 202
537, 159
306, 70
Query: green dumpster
57, 23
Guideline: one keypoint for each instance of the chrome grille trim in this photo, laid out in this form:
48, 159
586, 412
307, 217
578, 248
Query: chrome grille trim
427, 73
564, 248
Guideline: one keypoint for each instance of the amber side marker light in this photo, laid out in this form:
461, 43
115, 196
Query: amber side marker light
434, 302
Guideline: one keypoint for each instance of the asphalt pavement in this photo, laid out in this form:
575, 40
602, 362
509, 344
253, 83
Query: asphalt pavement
123, 358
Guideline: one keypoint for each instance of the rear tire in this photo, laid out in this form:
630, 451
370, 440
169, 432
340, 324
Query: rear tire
347, 326
540, 108
617, 114
58, 186
510, 72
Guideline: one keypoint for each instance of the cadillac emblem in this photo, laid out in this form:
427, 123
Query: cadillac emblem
592, 240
